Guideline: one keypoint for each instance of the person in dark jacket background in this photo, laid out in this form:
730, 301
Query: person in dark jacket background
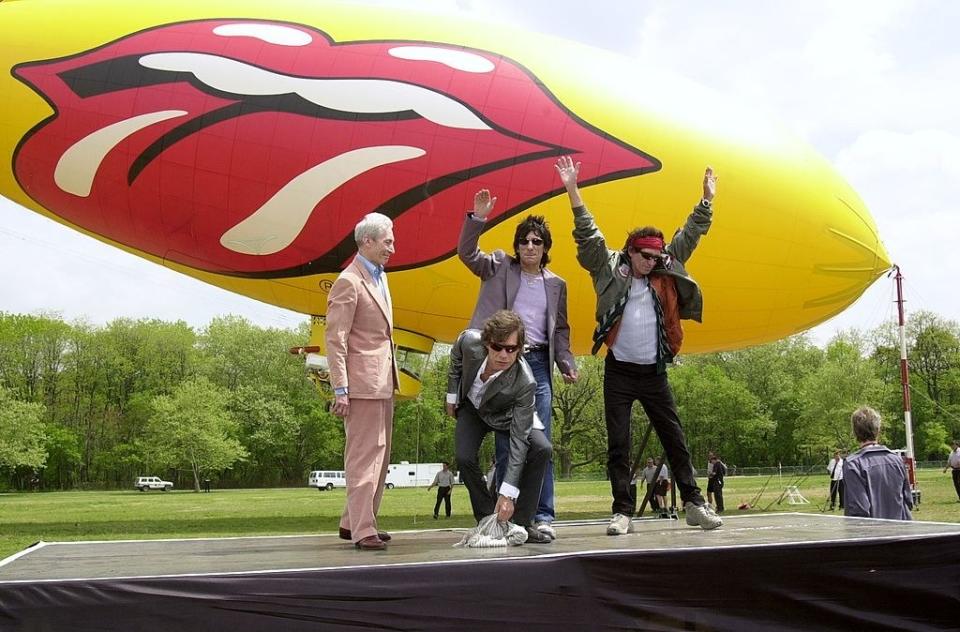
718, 471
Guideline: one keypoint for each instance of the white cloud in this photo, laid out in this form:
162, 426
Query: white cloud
51, 268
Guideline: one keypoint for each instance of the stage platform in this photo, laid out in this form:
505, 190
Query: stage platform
774, 571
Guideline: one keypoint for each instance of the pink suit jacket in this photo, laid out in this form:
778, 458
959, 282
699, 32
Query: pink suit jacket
359, 336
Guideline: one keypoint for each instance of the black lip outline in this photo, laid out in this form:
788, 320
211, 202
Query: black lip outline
346, 247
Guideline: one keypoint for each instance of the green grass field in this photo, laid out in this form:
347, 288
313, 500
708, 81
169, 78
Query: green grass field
65, 516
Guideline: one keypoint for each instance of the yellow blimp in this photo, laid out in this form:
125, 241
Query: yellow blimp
240, 142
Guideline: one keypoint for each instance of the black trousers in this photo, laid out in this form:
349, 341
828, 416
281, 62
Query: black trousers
836, 489
624, 383
956, 481
716, 488
471, 430
443, 495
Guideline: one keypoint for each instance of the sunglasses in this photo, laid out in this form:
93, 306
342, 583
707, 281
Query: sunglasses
508, 348
645, 255
536, 241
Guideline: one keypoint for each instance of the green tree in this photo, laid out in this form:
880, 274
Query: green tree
192, 429
772, 373
934, 352
579, 430
720, 414
32, 353
934, 371
270, 431
22, 433
931, 441
235, 352
845, 381
63, 456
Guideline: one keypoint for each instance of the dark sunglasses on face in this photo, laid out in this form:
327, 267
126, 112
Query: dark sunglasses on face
645, 255
508, 348
536, 241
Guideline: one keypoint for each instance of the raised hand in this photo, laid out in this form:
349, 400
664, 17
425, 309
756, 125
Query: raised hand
483, 204
709, 184
568, 171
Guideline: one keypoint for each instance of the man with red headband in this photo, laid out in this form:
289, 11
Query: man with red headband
643, 291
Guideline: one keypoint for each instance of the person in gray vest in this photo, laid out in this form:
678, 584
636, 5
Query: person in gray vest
643, 291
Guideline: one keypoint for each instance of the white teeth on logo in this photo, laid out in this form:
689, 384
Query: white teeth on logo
269, 33
456, 59
275, 225
78, 165
362, 96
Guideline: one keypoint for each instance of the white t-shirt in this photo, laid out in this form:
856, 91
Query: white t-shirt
838, 470
637, 337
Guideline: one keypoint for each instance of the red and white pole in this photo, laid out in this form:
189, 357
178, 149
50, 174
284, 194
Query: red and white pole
905, 376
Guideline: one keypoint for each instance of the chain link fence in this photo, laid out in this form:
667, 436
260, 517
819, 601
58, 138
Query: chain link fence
798, 470
789, 471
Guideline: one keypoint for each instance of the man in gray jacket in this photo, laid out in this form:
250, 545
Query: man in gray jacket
491, 388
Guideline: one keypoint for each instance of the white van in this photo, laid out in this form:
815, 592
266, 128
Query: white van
327, 479
406, 474
143, 483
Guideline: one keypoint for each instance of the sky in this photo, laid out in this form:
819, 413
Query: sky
872, 86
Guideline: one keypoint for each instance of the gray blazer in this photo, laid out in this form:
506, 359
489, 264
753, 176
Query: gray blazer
500, 280
507, 403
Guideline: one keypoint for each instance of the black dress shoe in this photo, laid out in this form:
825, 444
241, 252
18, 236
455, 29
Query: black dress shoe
536, 537
345, 535
371, 543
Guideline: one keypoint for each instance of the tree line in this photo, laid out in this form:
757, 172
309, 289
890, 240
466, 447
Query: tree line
87, 406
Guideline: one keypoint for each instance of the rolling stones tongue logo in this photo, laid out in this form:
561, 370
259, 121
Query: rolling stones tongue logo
253, 148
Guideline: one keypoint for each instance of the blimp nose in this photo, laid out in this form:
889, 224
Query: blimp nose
853, 255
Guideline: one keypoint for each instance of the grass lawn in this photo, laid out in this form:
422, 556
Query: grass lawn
26, 518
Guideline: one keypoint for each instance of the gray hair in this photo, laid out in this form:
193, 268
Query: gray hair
373, 225
866, 424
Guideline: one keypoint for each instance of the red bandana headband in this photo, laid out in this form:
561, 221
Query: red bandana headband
650, 243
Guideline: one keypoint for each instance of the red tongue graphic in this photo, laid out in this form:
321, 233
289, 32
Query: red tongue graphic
175, 187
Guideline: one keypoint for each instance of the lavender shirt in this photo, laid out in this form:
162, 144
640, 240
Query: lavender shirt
531, 304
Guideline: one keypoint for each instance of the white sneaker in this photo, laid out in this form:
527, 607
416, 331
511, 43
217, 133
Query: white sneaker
546, 529
702, 516
620, 525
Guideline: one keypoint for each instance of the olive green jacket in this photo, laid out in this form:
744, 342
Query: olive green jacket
610, 269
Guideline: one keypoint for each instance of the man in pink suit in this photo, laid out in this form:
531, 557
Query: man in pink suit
363, 373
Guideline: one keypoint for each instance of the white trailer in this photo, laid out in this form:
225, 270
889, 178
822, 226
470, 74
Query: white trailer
406, 474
